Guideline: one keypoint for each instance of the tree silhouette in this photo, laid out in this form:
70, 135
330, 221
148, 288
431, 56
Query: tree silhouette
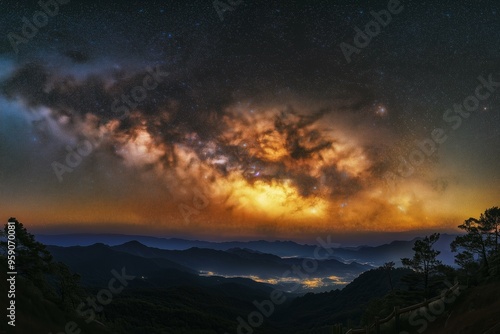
67, 285
480, 241
34, 263
424, 260
388, 267
33, 260
491, 221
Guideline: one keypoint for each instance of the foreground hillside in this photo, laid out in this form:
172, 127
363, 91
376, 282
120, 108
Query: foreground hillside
35, 313
477, 310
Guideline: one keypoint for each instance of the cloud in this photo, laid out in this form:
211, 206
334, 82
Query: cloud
287, 159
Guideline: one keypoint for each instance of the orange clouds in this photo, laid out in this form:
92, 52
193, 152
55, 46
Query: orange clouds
269, 167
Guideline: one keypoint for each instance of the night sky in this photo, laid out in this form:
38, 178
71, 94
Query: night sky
232, 119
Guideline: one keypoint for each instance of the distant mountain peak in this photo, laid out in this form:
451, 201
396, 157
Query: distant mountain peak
100, 245
246, 250
134, 243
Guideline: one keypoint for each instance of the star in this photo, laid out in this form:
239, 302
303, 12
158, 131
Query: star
381, 111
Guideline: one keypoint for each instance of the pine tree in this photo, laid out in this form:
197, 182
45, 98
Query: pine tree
424, 261
34, 263
480, 243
